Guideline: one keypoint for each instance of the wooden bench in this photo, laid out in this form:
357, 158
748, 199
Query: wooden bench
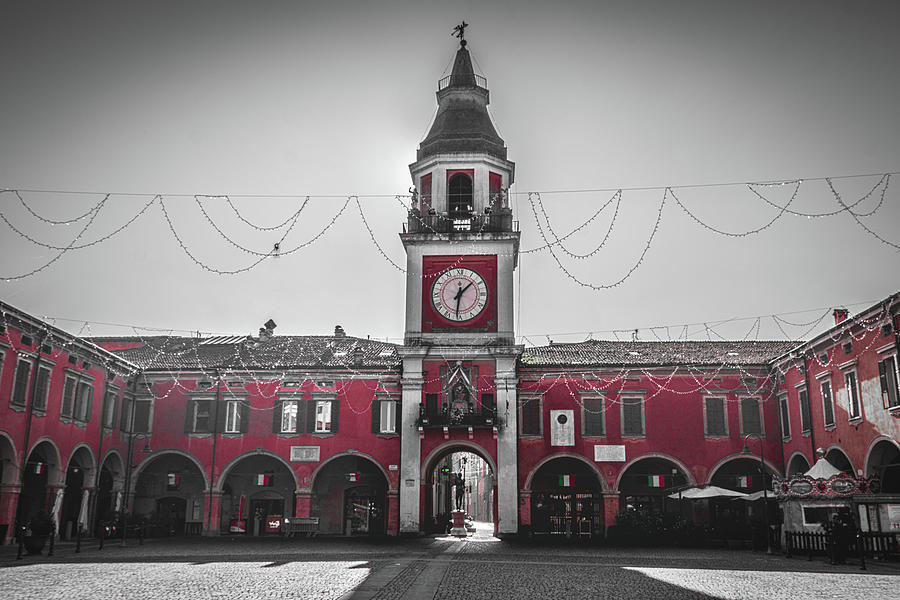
296, 525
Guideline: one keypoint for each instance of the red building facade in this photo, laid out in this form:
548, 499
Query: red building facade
232, 435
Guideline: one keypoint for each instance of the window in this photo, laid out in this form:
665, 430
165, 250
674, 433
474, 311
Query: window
110, 403
632, 415
785, 417
827, 403
232, 416
425, 192
714, 416
199, 418
41, 388
530, 415
853, 408
592, 408
20, 387
142, 416
887, 373
751, 421
288, 421
323, 416
805, 424
68, 399
388, 416
83, 402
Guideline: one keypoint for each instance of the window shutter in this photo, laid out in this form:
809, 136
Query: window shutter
335, 414
376, 416
750, 415
488, 405
220, 413
431, 404
277, 406
632, 409
882, 376
89, 404
531, 416
593, 416
310, 416
115, 409
715, 416
397, 416
245, 415
188, 417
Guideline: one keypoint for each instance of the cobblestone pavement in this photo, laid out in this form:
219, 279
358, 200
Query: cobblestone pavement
479, 567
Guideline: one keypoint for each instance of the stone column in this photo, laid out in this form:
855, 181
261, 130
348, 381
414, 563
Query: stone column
213, 503
9, 498
610, 509
507, 447
410, 449
393, 512
303, 503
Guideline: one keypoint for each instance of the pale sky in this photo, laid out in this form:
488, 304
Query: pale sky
332, 99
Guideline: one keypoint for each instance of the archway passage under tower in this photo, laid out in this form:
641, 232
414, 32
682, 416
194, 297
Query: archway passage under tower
459, 479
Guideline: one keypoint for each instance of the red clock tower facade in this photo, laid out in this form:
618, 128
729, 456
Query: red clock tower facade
459, 354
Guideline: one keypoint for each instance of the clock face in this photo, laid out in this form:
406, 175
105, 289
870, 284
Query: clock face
459, 294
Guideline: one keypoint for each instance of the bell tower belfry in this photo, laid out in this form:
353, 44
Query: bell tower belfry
461, 251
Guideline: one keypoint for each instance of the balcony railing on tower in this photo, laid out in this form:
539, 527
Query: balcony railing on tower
496, 221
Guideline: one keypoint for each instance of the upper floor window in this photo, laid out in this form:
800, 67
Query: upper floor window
751, 419
110, 406
827, 402
288, 416
20, 387
714, 417
460, 201
387, 415
233, 416
41, 388
83, 402
68, 399
854, 410
887, 373
326, 416
805, 419
785, 417
632, 415
530, 415
199, 416
592, 408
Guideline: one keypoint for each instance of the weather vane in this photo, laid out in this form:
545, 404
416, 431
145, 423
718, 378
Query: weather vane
460, 32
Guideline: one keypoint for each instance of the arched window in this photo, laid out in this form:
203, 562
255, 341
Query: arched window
459, 201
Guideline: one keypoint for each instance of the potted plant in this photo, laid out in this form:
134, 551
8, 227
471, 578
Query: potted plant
37, 530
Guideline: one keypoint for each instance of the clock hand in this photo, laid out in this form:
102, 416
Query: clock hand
464, 289
458, 298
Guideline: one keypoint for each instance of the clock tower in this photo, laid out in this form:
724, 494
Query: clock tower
459, 354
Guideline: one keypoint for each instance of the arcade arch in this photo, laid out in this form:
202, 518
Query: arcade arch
839, 459
644, 483
883, 460
566, 497
39, 480
797, 465
77, 494
257, 488
169, 492
109, 488
349, 495
741, 473
458, 471
8, 460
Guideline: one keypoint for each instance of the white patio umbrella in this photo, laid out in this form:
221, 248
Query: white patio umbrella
118, 502
83, 512
755, 496
710, 491
57, 506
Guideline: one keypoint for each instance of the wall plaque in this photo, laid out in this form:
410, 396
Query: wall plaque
609, 453
304, 454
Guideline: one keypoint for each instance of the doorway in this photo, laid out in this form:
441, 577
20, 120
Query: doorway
267, 515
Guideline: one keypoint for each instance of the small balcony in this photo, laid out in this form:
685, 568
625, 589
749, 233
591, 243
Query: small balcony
499, 221
480, 419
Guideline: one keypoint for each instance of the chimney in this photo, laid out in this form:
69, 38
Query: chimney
339, 331
267, 331
840, 315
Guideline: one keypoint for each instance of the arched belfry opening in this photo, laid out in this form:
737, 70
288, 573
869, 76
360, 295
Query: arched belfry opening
460, 201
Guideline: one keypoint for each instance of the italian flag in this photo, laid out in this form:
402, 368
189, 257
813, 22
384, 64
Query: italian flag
264, 480
172, 479
656, 481
38, 468
745, 481
565, 481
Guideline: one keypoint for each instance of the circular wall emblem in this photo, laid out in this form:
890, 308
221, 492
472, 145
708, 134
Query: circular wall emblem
561, 419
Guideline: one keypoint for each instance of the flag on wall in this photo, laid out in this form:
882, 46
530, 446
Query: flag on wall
173, 480
745, 481
656, 481
565, 481
38, 468
264, 480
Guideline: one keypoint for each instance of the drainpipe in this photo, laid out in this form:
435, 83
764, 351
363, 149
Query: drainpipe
29, 413
215, 430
